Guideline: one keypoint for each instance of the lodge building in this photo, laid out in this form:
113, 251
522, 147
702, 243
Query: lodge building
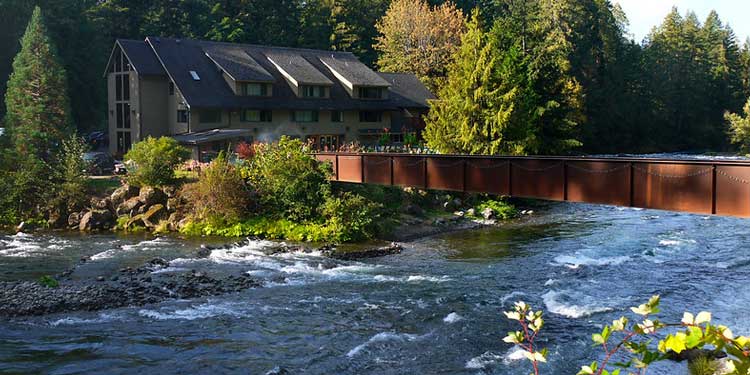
208, 95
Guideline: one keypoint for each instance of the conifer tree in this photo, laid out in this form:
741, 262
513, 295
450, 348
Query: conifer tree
38, 111
474, 108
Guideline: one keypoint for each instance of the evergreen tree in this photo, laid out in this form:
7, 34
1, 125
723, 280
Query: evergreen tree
38, 111
475, 106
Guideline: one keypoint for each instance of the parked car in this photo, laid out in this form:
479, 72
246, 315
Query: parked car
100, 163
120, 167
97, 140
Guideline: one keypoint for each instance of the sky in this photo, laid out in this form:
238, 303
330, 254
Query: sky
645, 14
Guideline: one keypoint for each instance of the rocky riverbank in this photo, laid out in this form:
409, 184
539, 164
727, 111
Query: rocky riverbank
147, 284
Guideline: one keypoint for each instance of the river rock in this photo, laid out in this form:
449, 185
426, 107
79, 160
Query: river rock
74, 219
488, 213
150, 196
413, 209
170, 191
134, 223
129, 206
154, 215
57, 218
96, 220
471, 212
393, 248
101, 204
123, 193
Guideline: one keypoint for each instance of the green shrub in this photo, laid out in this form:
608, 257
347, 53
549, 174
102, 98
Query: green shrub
48, 281
739, 128
71, 176
289, 181
703, 366
154, 161
219, 194
263, 227
351, 217
503, 210
25, 183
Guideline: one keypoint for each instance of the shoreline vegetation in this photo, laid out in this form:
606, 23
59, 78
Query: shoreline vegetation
275, 191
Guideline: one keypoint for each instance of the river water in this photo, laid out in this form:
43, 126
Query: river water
435, 309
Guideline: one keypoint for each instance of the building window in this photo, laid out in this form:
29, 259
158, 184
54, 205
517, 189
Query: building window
370, 116
255, 115
337, 116
314, 91
370, 93
122, 87
122, 113
123, 142
305, 116
254, 89
171, 88
182, 116
211, 116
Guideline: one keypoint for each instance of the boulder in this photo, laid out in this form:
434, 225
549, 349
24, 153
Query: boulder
453, 205
150, 196
170, 191
123, 193
101, 204
413, 209
135, 222
130, 205
172, 204
471, 212
154, 215
74, 219
488, 213
96, 220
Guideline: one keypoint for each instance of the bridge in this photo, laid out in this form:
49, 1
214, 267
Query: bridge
712, 187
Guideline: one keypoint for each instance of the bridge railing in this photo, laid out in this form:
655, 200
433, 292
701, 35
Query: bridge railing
697, 186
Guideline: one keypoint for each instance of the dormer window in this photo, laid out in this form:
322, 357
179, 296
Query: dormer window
254, 89
195, 75
309, 91
370, 92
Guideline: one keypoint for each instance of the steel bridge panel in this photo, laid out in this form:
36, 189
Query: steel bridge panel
445, 173
487, 175
538, 178
350, 168
409, 171
330, 159
378, 170
733, 191
598, 182
676, 187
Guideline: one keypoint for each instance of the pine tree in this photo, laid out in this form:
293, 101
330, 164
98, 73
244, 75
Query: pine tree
38, 111
475, 106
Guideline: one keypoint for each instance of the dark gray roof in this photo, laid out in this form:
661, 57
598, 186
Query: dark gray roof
142, 57
353, 70
407, 91
238, 63
296, 66
211, 135
179, 57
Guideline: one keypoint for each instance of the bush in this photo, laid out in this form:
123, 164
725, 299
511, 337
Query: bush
351, 217
71, 175
220, 193
155, 160
25, 183
290, 182
503, 210
739, 128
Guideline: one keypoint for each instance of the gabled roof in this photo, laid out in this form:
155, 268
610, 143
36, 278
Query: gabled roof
178, 57
141, 57
296, 67
236, 62
407, 90
352, 70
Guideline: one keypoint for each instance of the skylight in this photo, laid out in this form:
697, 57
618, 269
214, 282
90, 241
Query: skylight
195, 75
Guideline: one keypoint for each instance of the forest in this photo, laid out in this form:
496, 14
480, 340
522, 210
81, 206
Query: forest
561, 76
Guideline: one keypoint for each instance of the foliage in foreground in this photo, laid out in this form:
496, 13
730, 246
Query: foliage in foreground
154, 161
635, 337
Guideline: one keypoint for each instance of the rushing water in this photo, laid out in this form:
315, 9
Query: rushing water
434, 309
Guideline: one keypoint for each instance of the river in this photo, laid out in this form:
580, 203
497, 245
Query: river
434, 309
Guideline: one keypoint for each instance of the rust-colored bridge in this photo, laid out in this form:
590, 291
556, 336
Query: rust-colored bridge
697, 186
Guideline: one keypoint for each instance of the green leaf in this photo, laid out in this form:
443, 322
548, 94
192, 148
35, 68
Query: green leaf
675, 342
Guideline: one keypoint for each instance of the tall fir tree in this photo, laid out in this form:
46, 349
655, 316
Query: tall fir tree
38, 110
474, 108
